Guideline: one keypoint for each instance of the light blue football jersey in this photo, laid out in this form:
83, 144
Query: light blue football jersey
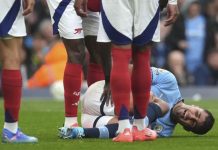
164, 85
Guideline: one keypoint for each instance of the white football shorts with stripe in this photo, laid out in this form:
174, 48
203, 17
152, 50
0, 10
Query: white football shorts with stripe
91, 23
64, 19
129, 21
11, 19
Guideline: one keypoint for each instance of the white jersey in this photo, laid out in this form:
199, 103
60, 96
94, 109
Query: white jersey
65, 20
93, 108
125, 21
11, 19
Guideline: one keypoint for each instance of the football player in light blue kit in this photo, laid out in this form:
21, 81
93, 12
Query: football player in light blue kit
163, 121
165, 87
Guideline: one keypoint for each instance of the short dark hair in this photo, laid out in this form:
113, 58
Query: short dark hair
205, 127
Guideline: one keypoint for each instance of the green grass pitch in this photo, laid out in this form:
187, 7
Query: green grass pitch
42, 119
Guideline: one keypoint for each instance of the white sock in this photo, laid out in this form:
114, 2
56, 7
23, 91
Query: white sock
123, 124
11, 126
139, 123
69, 121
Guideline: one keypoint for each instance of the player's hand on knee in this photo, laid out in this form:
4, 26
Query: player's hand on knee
172, 14
28, 7
80, 7
106, 95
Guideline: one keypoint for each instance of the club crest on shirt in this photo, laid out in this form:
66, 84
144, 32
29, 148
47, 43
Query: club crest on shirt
158, 128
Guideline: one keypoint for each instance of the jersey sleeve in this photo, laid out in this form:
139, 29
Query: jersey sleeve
162, 129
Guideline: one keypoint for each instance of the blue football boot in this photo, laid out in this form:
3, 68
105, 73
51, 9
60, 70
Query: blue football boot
19, 137
71, 133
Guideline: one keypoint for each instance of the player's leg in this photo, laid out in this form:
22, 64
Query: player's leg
69, 26
90, 26
10, 50
95, 70
141, 84
12, 25
11, 81
73, 78
92, 127
118, 27
106, 126
145, 24
102, 132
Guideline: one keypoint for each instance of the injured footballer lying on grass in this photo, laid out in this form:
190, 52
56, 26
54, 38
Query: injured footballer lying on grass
166, 109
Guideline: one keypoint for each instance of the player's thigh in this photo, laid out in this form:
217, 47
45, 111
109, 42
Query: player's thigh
91, 24
90, 121
146, 21
11, 50
102, 35
117, 20
65, 20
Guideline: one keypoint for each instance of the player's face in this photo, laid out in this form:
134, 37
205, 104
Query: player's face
190, 116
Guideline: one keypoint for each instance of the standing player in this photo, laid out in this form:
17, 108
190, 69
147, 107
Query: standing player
130, 28
100, 57
12, 29
99, 52
68, 25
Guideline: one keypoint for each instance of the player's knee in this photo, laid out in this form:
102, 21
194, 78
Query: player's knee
75, 50
76, 57
11, 61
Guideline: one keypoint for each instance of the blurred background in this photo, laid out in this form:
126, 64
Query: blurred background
189, 49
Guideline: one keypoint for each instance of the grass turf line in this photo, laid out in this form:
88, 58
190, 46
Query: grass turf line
42, 119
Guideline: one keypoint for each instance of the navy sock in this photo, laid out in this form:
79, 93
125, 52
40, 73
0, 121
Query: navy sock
91, 132
107, 131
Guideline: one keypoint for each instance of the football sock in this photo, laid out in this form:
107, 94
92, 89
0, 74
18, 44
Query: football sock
69, 121
107, 131
120, 83
11, 126
72, 85
95, 73
123, 124
141, 84
139, 123
12, 89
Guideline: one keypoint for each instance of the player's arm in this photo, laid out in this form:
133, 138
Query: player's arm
106, 63
160, 103
81, 7
172, 12
28, 7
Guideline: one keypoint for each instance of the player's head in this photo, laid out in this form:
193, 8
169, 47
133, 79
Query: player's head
193, 118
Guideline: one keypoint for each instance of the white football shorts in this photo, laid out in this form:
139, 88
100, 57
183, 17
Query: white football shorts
65, 20
94, 112
11, 19
129, 21
91, 23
